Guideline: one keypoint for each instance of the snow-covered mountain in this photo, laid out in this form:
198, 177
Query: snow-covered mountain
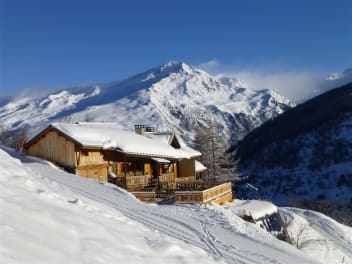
305, 153
174, 96
50, 216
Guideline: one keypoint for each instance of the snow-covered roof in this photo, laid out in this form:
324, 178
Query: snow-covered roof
112, 136
200, 167
167, 137
161, 160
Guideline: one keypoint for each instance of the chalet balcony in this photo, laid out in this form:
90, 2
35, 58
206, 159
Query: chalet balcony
191, 192
138, 182
133, 182
169, 181
203, 192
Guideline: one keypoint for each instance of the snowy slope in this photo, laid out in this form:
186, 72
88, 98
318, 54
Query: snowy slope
173, 96
49, 216
44, 222
319, 236
305, 153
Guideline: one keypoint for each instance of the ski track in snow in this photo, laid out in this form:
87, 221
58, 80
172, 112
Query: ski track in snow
198, 229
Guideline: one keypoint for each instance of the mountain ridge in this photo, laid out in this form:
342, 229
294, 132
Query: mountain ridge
173, 96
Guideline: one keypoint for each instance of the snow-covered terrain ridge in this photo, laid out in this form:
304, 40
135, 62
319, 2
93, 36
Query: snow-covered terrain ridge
174, 96
305, 153
50, 216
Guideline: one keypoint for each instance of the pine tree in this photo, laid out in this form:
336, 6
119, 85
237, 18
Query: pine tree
211, 144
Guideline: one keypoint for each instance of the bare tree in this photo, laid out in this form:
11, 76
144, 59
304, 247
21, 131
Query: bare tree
69, 119
15, 139
300, 239
88, 118
66, 119
345, 216
5, 137
21, 139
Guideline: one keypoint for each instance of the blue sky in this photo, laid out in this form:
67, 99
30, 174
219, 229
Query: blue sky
54, 44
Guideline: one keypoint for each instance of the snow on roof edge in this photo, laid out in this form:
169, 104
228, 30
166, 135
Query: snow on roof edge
200, 167
111, 135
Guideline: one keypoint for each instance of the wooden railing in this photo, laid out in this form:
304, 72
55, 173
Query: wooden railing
195, 185
167, 177
216, 191
148, 197
167, 181
137, 182
220, 193
185, 179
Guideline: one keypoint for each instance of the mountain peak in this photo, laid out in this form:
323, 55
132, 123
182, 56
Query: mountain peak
171, 96
175, 66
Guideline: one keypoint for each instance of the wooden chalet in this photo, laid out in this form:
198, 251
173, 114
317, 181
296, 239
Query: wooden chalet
140, 162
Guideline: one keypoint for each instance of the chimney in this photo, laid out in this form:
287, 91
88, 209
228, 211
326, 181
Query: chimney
150, 129
139, 129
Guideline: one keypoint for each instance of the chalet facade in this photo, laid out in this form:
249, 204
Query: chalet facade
106, 152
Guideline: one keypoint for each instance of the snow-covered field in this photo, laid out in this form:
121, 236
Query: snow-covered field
49, 216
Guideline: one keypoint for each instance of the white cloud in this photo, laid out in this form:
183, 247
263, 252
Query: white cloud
298, 86
209, 65
31, 93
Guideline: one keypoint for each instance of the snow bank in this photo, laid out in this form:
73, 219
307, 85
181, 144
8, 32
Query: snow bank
42, 222
319, 236
254, 208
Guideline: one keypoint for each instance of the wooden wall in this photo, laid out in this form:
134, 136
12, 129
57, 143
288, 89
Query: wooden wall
91, 164
186, 168
85, 157
55, 148
95, 172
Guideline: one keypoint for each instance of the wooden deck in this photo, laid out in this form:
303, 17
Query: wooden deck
192, 192
168, 180
185, 179
218, 193
133, 183
148, 197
